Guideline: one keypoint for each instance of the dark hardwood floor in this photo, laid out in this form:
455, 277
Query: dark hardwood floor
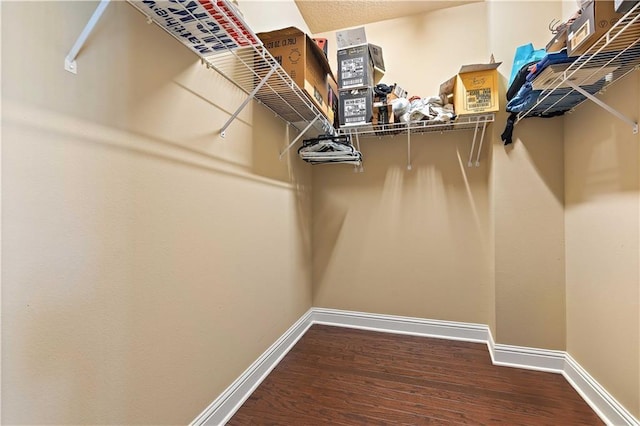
341, 376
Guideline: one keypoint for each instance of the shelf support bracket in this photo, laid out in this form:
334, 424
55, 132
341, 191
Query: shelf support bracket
358, 167
408, 149
301, 134
246, 101
484, 127
473, 144
70, 60
633, 124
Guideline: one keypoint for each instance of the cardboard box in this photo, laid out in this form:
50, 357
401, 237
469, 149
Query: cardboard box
304, 61
356, 106
382, 110
399, 92
623, 6
383, 115
360, 64
473, 90
558, 42
596, 19
350, 37
378, 62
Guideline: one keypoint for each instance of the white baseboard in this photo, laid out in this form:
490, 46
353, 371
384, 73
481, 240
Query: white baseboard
468, 332
528, 358
611, 412
224, 407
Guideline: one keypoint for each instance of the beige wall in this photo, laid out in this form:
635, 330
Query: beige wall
146, 261
139, 279
409, 242
602, 215
274, 15
404, 243
527, 193
443, 240
541, 273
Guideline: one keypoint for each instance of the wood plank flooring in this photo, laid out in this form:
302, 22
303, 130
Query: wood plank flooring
342, 376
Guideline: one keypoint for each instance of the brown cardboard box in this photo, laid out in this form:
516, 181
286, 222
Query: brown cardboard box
596, 19
356, 106
474, 89
623, 6
381, 110
304, 61
360, 66
558, 42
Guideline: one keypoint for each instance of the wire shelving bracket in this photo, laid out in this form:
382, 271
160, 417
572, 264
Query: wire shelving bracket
216, 32
618, 49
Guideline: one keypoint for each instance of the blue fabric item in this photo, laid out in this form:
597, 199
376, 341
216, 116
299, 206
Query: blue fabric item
563, 100
524, 54
525, 97
550, 59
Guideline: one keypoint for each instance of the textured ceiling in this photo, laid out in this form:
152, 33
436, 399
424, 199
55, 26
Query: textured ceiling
331, 15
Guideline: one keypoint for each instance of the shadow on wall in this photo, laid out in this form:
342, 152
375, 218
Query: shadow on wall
181, 102
602, 151
179, 106
391, 216
270, 138
603, 155
543, 140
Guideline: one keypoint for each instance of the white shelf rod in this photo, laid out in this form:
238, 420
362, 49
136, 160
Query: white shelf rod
408, 149
301, 134
70, 60
484, 127
633, 124
246, 101
473, 144
359, 167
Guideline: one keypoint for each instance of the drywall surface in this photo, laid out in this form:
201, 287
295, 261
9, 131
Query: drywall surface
443, 240
602, 218
271, 15
404, 243
415, 243
147, 262
527, 194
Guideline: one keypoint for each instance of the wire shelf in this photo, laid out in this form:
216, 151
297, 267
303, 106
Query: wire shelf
609, 59
216, 32
470, 122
